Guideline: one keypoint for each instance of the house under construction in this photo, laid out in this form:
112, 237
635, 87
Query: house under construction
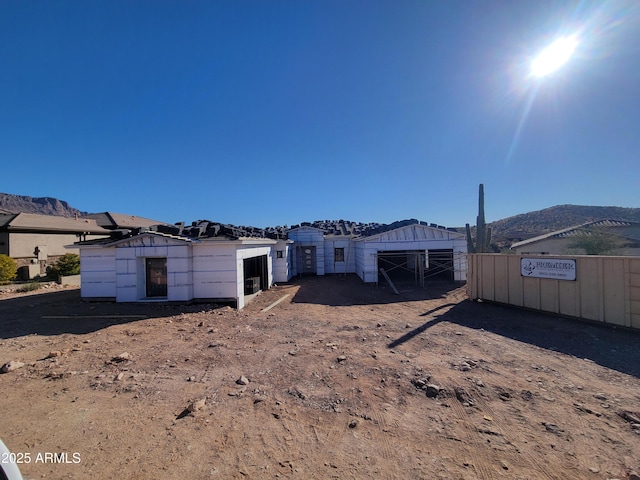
208, 261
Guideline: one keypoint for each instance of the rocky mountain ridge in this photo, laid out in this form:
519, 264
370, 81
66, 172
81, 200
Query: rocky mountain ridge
10, 203
550, 219
509, 229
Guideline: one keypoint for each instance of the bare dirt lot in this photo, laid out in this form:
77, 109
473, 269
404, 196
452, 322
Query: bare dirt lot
341, 380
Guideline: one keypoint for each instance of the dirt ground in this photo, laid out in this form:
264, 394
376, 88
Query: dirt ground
343, 380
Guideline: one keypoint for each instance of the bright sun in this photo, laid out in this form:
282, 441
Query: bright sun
554, 56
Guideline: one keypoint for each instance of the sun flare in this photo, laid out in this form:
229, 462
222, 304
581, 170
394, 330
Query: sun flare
554, 56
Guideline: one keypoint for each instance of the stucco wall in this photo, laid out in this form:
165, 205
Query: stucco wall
22, 245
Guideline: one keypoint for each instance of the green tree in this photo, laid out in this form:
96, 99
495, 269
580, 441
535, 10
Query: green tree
8, 268
67, 264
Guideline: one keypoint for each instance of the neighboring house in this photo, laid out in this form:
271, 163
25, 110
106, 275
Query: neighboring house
35, 241
209, 261
620, 237
118, 221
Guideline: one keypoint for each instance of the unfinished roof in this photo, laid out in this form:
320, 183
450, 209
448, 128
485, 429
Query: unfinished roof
207, 229
112, 220
411, 232
199, 230
344, 227
119, 236
33, 222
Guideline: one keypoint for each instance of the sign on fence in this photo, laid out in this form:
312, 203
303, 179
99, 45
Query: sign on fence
548, 268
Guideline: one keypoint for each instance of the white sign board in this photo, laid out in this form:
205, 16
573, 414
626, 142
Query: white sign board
554, 268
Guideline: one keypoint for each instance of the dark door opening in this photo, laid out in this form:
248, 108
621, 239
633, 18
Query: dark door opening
256, 274
306, 260
156, 277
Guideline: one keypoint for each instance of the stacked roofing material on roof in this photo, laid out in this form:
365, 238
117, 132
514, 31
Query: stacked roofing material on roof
342, 227
201, 229
209, 229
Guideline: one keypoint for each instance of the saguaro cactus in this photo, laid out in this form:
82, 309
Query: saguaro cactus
483, 234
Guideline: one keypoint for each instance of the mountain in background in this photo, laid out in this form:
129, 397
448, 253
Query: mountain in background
527, 225
504, 232
42, 205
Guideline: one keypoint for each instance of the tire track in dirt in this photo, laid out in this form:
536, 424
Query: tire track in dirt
234, 449
471, 441
316, 424
497, 424
385, 446
552, 376
307, 439
273, 439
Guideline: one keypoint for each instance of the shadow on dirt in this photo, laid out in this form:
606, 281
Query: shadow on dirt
341, 291
56, 313
606, 345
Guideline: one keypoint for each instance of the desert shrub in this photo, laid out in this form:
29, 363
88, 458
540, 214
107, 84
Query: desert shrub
596, 243
8, 268
67, 264
29, 287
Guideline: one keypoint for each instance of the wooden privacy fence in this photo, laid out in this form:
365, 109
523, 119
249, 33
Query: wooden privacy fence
600, 288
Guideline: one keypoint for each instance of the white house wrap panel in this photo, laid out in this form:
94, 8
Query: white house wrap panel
246, 253
186, 269
131, 271
303, 238
359, 254
346, 250
409, 238
282, 257
98, 273
214, 270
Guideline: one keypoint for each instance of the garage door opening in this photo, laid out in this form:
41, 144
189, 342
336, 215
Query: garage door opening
256, 274
440, 265
402, 266
416, 266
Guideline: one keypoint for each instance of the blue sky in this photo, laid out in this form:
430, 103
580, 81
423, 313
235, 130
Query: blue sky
277, 112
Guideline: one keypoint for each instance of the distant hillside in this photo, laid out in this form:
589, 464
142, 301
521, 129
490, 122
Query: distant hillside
504, 231
42, 205
530, 224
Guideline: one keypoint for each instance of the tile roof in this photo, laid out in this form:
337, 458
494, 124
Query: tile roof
112, 220
49, 223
